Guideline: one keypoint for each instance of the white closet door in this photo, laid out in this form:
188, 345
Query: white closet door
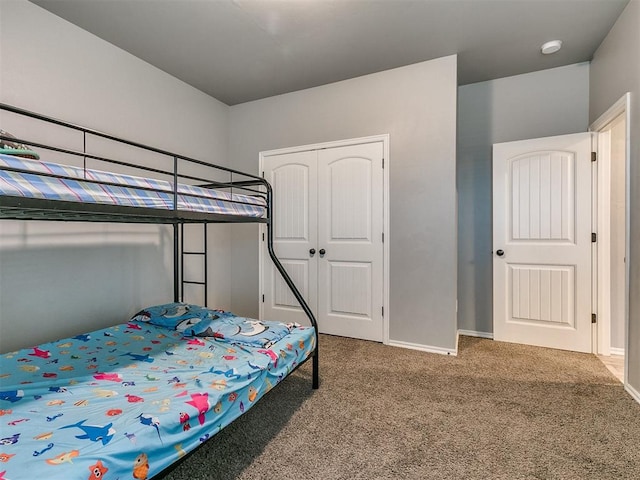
350, 223
294, 180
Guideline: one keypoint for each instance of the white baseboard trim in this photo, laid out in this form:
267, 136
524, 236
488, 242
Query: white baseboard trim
423, 348
633, 392
473, 333
616, 351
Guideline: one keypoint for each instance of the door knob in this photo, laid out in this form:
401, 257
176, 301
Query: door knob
322, 252
312, 252
500, 253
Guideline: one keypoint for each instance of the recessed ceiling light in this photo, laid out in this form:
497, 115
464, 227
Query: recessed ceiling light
551, 47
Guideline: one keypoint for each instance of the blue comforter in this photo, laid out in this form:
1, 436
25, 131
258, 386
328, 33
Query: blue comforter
129, 400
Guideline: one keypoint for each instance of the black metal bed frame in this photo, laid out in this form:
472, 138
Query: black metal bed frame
25, 208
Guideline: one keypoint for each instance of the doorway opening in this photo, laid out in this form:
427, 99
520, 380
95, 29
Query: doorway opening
611, 279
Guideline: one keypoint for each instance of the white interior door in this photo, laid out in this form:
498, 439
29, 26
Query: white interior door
328, 223
350, 295
542, 242
293, 177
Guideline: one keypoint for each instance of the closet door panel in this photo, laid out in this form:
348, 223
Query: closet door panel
350, 280
294, 180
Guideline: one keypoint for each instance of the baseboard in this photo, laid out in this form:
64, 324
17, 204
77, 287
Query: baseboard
633, 392
423, 348
616, 351
473, 333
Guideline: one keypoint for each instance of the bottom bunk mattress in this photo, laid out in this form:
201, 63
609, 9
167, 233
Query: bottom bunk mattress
129, 400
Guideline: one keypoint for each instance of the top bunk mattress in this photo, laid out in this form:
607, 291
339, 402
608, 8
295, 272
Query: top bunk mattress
134, 398
23, 177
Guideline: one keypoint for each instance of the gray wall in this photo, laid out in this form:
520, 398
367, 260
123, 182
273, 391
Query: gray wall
539, 104
60, 279
416, 105
615, 70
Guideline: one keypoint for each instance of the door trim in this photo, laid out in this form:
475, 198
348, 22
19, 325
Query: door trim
622, 106
384, 138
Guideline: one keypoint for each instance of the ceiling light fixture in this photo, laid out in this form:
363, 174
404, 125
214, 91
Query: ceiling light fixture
551, 47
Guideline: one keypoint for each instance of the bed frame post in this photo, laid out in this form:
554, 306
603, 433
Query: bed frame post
176, 235
176, 273
290, 284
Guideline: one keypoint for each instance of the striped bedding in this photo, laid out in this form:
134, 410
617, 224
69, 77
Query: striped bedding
24, 177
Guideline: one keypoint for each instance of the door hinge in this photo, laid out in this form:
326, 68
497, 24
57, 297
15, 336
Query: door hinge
263, 174
263, 236
263, 298
593, 318
382, 162
383, 311
382, 237
594, 238
594, 156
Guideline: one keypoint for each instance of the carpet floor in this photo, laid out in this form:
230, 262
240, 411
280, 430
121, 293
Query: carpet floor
496, 411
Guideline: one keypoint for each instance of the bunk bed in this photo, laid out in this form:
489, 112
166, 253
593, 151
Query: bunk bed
133, 399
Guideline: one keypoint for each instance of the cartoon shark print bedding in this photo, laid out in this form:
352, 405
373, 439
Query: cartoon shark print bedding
199, 321
129, 400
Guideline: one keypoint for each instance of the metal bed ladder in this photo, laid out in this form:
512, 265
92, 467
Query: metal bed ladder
191, 253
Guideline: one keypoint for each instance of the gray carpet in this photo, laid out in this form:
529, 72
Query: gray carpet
496, 411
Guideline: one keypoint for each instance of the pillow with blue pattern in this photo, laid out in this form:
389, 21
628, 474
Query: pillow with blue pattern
190, 320
197, 321
250, 332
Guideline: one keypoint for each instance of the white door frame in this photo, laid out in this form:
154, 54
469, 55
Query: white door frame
603, 329
384, 138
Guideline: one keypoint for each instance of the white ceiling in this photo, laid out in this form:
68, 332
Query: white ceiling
243, 50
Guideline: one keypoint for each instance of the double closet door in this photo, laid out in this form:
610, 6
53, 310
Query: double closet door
328, 234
